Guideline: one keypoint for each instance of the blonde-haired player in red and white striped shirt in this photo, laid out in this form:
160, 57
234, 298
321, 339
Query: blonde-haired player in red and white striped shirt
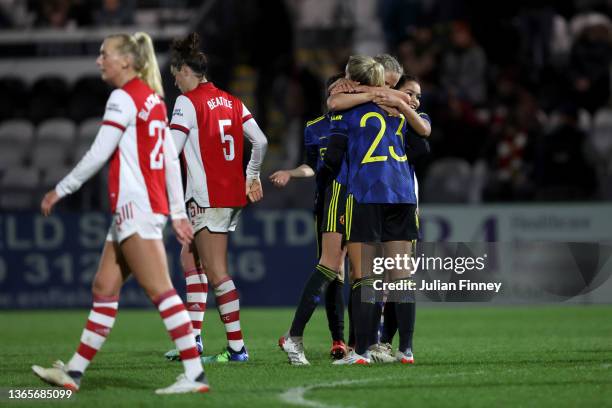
208, 126
144, 188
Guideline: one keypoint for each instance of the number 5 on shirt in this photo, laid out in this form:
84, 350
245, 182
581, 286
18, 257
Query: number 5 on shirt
228, 150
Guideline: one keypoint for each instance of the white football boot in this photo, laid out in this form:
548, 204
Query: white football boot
184, 385
58, 375
294, 347
382, 353
354, 358
405, 357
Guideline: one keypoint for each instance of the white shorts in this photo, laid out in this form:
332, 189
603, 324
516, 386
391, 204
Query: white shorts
129, 220
215, 219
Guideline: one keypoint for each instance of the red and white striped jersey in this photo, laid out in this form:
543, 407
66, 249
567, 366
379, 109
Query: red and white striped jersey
212, 121
144, 168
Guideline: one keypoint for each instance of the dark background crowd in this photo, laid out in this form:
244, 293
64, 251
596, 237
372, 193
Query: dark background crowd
518, 91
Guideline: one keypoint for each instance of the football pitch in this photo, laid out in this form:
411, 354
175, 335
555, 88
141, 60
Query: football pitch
465, 356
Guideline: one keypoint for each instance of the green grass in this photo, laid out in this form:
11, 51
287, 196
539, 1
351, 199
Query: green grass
465, 356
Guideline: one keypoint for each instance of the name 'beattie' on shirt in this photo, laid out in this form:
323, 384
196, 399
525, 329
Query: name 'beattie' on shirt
218, 101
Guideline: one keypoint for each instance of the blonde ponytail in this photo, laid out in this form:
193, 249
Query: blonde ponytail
140, 47
149, 70
365, 70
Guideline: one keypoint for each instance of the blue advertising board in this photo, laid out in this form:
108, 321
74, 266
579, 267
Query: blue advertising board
49, 262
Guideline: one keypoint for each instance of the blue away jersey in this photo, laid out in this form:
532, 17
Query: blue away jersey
316, 133
378, 170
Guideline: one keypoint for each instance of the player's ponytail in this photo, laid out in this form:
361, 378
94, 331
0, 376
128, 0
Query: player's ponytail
365, 70
140, 47
186, 51
146, 63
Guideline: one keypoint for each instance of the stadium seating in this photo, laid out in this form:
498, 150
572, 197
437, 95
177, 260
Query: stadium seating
11, 155
88, 97
48, 155
19, 188
16, 131
15, 137
52, 175
48, 98
56, 130
89, 129
14, 97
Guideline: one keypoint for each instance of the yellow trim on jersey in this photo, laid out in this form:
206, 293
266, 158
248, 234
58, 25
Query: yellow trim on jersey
312, 122
333, 207
349, 216
327, 272
364, 282
316, 221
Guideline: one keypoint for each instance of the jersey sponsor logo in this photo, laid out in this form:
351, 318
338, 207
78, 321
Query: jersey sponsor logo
177, 112
336, 117
151, 101
213, 103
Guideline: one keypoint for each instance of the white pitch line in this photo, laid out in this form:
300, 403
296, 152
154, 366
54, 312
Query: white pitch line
295, 395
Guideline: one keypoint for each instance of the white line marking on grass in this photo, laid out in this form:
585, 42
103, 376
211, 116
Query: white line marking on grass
295, 395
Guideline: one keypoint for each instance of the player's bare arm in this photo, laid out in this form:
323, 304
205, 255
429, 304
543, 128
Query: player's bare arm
280, 178
395, 99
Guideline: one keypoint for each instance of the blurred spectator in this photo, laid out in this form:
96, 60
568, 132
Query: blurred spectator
510, 148
81, 12
544, 37
418, 54
6, 18
464, 65
270, 62
590, 60
13, 13
301, 98
562, 172
53, 14
458, 131
115, 13
399, 19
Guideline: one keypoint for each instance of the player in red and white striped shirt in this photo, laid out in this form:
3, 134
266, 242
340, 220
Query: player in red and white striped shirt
144, 188
208, 126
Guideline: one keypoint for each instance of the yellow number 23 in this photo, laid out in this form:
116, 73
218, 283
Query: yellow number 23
368, 158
